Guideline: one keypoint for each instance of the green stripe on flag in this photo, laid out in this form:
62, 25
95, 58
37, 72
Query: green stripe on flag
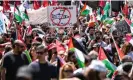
72, 49
25, 16
85, 12
80, 58
80, 63
107, 6
17, 14
111, 68
106, 11
18, 18
108, 21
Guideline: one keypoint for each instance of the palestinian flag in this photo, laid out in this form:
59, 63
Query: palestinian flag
102, 56
25, 15
17, 14
106, 11
130, 24
119, 52
85, 10
109, 21
99, 14
78, 52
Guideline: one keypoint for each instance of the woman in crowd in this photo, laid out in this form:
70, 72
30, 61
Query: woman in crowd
72, 58
33, 54
66, 70
126, 48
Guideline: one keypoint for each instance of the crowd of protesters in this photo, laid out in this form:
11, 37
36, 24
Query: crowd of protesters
48, 57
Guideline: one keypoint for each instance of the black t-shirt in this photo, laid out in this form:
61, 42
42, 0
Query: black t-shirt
44, 71
12, 62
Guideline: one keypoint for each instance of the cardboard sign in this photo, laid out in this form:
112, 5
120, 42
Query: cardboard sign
62, 16
55, 16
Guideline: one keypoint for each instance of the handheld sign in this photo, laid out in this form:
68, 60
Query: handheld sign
122, 27
62, 16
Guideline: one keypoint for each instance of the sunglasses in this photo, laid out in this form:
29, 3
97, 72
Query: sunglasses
39, 53
70, 71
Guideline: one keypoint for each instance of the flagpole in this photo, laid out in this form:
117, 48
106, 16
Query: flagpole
15, 22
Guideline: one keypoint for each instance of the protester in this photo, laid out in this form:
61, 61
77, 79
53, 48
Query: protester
94, 52
66, 71
72, 58
33, 54
13, 60
43, 70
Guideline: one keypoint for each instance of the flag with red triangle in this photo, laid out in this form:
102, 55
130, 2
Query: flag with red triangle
17, 14
70, 44
102, 56
84, 8
129, 23
78, 52
120, 53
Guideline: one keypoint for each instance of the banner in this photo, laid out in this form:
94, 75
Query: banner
38, 16
55, 16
